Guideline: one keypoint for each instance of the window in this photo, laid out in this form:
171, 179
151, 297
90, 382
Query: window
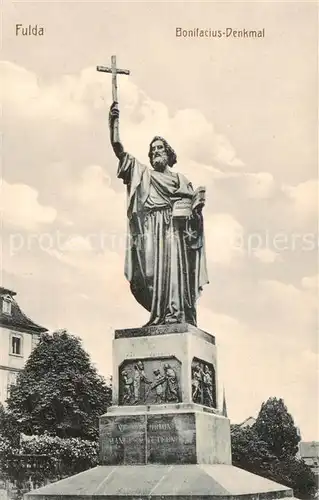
12, 379
6, 305
16, 345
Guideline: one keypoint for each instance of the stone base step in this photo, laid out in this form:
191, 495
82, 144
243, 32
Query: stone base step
163, 481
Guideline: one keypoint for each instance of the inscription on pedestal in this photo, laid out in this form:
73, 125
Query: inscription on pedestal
154, 439
171, 439
123, 440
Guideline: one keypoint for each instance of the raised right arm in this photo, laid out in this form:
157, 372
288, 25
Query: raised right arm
128, 167
114, 131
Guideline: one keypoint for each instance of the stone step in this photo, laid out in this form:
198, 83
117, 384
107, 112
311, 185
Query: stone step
220, 482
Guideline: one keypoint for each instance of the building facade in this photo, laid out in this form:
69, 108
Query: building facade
18, 336
309, 452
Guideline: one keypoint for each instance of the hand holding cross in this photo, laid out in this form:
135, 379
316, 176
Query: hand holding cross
114, 112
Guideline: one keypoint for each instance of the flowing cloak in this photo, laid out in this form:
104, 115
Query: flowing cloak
165, 259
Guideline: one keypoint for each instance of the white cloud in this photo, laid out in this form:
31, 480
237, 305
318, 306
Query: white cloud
197, 139
77, 244
311, 283
74, 98
79, 253
286, 292
224, 237
188, 131
253, 367
92, 186
25, 96
304, 197
225, 153
251, 185
20, 207
101, 266
93, 200
257, 185
293, 311
265, 255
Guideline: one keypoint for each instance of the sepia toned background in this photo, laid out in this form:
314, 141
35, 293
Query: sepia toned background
242, 117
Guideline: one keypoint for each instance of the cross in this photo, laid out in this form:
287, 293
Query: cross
115, 71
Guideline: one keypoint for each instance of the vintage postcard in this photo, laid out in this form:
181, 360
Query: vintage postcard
159, 220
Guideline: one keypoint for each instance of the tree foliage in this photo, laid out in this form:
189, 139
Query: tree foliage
45, 458
275, 426
248, 451
296, 474
64, 457
269, 448
9, 428
59, 391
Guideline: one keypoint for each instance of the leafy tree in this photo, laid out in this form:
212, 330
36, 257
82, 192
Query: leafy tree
249, 452
275, 426
9, 428
59, 391
296, 474
63, 457
45, 458
269, 448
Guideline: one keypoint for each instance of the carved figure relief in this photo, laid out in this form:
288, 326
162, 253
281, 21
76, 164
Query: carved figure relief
203, 383
150, 381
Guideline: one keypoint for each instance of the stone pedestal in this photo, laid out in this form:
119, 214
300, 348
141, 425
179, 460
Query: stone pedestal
179, 345
164, 399
176, 434
164, 436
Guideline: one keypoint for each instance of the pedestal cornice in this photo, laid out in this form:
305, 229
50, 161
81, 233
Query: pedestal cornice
149, 331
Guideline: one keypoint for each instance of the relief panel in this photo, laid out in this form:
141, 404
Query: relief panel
150, 381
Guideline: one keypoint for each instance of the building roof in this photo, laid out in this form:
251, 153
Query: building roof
4, 291
309, 449
17, 319
249, 421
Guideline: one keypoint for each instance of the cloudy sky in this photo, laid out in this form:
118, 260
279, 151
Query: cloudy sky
242, 116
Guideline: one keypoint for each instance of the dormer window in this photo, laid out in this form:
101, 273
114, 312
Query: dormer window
6, 304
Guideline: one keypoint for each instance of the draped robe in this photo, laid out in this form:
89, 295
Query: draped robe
165, 259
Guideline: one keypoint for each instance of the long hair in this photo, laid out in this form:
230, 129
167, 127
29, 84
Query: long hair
171, 155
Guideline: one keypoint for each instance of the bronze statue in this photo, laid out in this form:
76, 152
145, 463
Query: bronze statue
165, 256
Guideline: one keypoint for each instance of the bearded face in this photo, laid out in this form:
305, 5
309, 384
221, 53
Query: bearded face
159, 158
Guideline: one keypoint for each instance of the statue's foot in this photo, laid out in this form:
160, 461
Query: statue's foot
155, 322
166, 321
172, 321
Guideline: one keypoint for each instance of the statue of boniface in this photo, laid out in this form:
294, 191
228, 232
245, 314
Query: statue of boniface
165, 256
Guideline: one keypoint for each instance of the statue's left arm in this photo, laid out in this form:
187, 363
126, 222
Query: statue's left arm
199, 199
196, 221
